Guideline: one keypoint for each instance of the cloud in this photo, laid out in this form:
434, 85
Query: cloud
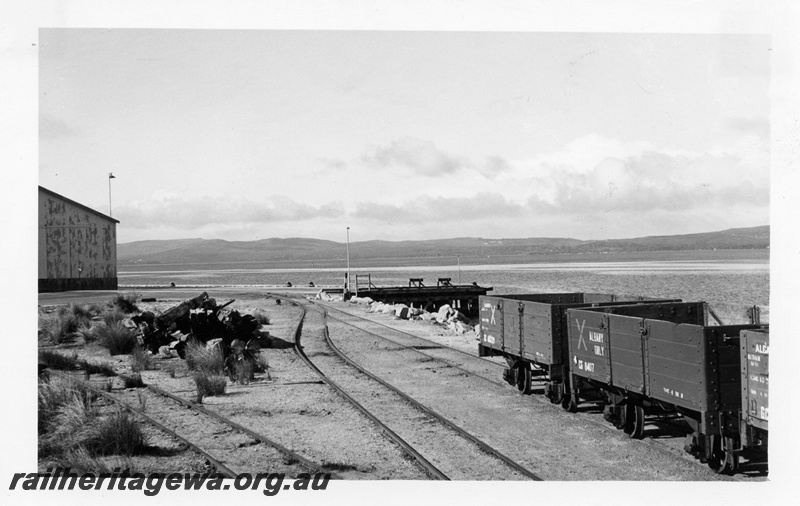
652, 181
440, 209
51, 128
196, 213
419, 156
333, 163
760, 126
595, 187
494, 166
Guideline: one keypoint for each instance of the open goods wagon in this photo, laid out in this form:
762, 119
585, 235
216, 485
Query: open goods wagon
754, 423
662, 359
530, 332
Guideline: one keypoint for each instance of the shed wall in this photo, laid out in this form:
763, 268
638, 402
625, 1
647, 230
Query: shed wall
77, 248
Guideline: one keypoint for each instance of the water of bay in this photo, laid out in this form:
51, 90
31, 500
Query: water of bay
730, 282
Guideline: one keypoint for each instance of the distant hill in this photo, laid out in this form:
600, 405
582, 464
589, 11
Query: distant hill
186, 251
734, 238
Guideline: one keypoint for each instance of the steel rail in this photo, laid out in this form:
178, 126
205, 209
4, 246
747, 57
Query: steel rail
225, 470
389, 433
255, 435
462, 432
440, 359
404, 333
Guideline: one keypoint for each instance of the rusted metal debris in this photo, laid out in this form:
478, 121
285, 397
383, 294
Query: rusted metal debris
201, 319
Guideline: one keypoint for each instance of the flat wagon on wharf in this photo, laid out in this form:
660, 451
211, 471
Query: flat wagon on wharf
461, 297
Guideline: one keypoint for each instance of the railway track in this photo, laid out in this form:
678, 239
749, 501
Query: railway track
458, 359
666, 436
230, 447
445, 450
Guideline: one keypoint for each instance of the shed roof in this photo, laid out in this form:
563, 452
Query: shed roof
78, 204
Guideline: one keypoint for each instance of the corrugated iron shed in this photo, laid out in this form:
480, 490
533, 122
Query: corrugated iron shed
77, 245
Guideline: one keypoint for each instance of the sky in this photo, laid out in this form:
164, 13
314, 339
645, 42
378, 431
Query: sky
406, 135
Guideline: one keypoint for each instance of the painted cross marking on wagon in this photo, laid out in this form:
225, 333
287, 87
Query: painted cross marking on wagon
580, 334
492, 319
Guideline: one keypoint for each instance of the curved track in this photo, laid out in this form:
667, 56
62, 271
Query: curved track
422, 461
220, 467
449, 431
280, 453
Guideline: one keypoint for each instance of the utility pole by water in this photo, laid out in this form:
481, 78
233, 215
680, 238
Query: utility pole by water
458, 257
347, 288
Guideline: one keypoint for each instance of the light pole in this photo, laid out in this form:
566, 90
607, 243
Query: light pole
348, 259
110, 177
458, 258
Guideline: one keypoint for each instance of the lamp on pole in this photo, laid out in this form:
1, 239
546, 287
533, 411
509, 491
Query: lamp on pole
348, 259
110, 177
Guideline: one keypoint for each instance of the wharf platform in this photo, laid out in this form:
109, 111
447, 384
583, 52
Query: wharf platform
416, 294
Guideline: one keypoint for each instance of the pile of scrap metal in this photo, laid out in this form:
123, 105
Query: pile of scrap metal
201, 319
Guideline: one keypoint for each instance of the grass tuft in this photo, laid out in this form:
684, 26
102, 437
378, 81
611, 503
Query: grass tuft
132, 381
262, 365
261, 317
117, 338
85, 312
208, 384
117, 434
73, 432
208, 360
92, 368
142, 360
241, 371
126, 302
58, 361
79, 458
171, 369
58, 328
113, 316
86, 333
51, 397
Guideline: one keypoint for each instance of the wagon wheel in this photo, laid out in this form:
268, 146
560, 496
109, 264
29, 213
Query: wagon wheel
570, 403
731, 461
524, 379
548, 392
637, 418
619, 420
717, 460
628, 418
558, 395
